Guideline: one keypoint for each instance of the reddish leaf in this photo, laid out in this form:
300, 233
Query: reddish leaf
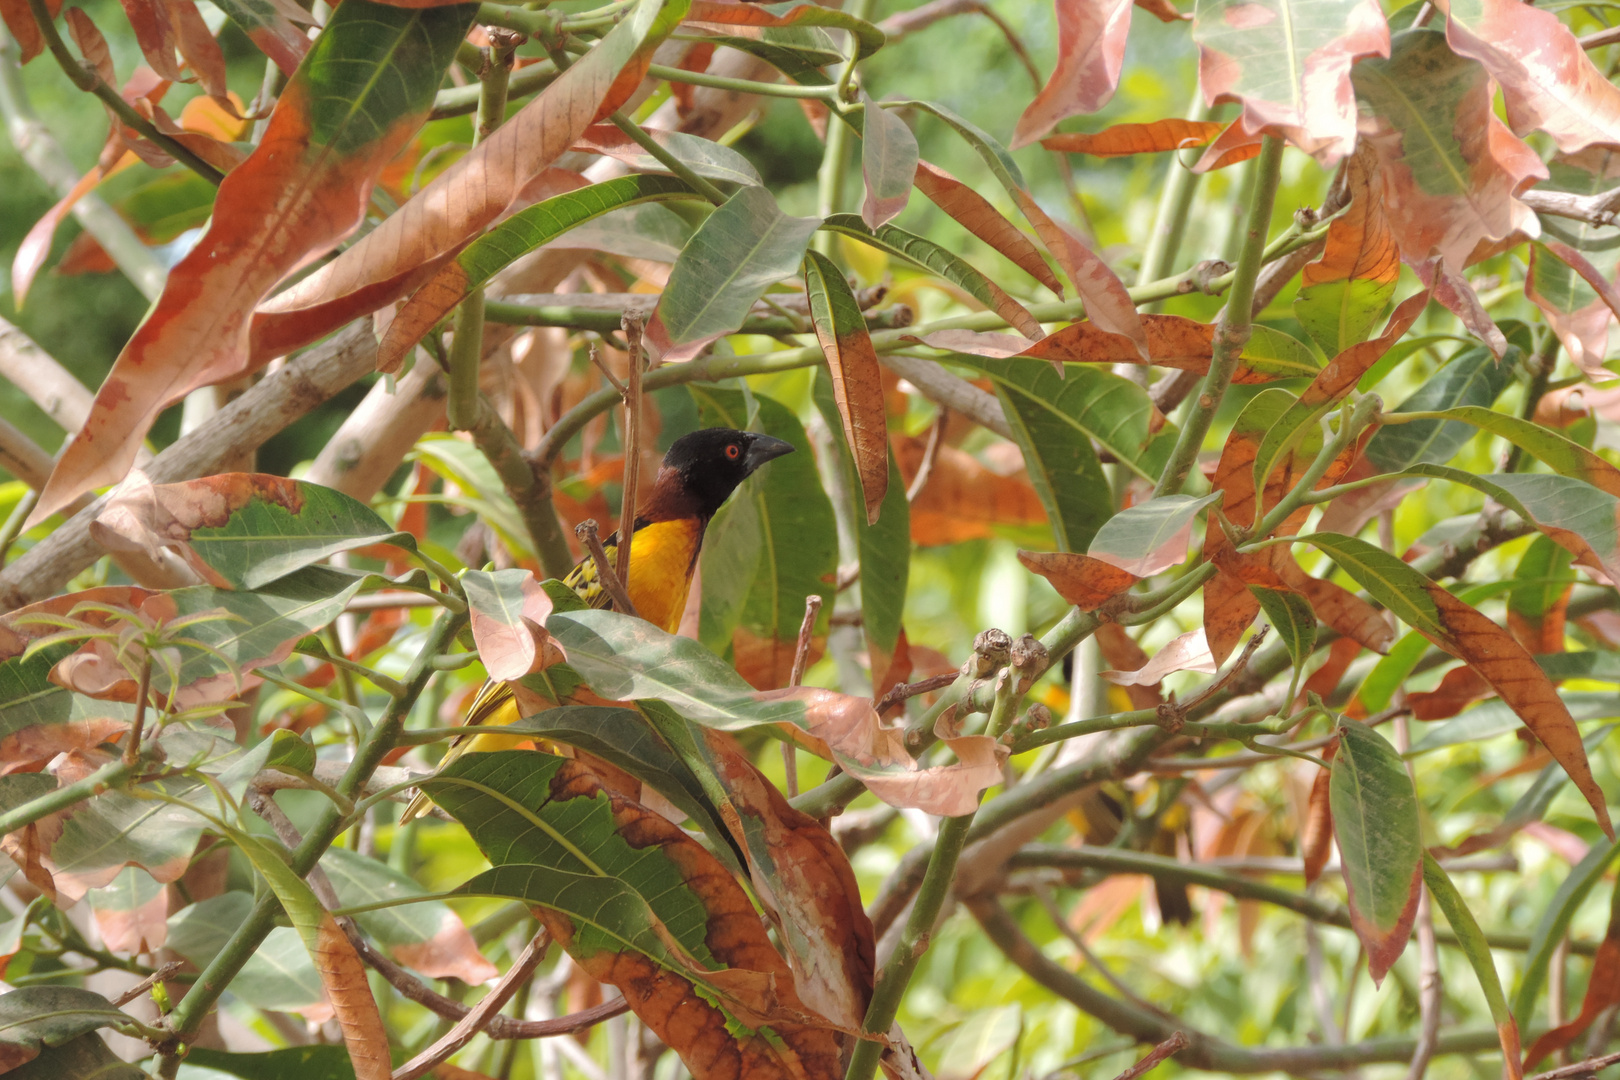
857, 380
806, 884
1460, 688
888, 164
1233, 146
1163, 10
131, 912
1229, 610
1108, 302
1316, 831
1325, 679
1344, 611
1174, 341
1461, 630
1122, 140
482, 185
1375, 821
19, 20
36, 246
1091, 51
1345, 290
1548, 81
1083, 581
1602, 991
1577, 314
962, 499
196, 43
508, 610
1288, 64
975, 214
1450, 169
1121, 652
1453, 291
303, 189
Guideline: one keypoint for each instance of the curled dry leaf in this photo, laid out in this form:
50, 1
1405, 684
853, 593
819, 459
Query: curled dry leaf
1189, 652
1316, 831
1450, 169
1288, 65
847, 729
1091, 52
1602, 992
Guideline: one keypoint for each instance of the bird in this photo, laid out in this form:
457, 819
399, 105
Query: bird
697, 476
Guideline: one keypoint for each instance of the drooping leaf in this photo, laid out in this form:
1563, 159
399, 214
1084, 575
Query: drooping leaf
513, 238
363, 90
1474, 946
936, 260
1108, 304
1123, 140
885, 551
1375, 821
237, 530
1175, 341
1316, 831
1450, 170
86, 1056
740, 250
1188, 652
888, 164
1151, 536
270, 25
131, 912
856, 379
1288, 64
1083, 581
1091, 52
627, 659
1540, 596
638, 904
1291, 616
978, 216
508, 611
1462, 631
457, 204
796, 547
704, 157
1474, 378
757, 20
305, 1062
1342, 294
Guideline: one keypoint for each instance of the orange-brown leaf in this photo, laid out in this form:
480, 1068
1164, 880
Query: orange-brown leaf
1602, 991
1083, 581
963, 500
978, 216
1316, 831
1359, 245
1124, 139
1460, 688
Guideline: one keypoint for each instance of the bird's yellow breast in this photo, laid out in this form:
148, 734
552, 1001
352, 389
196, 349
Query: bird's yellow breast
663, 555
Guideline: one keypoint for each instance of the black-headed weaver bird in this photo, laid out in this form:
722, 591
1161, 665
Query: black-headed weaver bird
697, 476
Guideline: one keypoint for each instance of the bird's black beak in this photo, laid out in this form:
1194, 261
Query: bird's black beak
763, 448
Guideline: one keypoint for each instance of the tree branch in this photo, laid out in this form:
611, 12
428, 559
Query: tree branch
481, 1014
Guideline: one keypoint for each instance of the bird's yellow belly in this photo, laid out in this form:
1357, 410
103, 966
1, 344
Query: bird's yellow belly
661, 557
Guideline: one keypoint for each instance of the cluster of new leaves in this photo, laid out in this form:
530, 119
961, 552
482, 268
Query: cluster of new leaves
145, 727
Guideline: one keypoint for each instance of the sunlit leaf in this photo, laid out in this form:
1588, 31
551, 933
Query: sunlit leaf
1342, 294
888, 164
1151, 536
1091, 52
1123, 140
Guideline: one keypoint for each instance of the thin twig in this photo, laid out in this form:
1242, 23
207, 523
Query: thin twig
801, 659
601, 365
481, 1014
587, 533
162, 974
1053, 912
633, 325
1217, 685
936, 436
1173, 1045
1580, 1069
904, 691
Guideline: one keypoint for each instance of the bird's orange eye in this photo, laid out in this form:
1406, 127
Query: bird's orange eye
733, 452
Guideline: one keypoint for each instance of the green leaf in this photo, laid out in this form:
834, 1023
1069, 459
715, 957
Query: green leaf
1150, 536
1541, 581
1491, 718
198, 931
1291, 616
855, 375
1055, 420
479, 486
888, 164
929, 256
745, 246
85, 1058
1339, 314
509, 241
1279, 355
425, 934
885, 548
1391, 671
293, 1063
1474, 946
1375, 821
37, 1018
29, 699
627, 739
1554, 924
1472, 377
797, 538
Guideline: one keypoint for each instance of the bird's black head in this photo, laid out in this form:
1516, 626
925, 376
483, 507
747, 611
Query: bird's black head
706, 466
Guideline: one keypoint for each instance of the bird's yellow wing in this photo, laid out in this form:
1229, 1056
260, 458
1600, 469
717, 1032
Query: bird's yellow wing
494, 706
